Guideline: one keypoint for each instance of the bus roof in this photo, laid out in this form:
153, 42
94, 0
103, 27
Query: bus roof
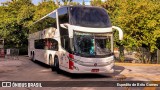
65, 7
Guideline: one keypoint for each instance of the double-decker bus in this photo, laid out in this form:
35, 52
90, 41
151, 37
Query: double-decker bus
76, 39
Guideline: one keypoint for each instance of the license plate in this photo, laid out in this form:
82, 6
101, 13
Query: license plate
95, 70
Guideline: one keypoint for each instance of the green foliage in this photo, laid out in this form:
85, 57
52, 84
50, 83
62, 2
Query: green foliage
139, 20
74, 3
96, 3
66, 2
16, 17
83, 3
70, 2
44, 8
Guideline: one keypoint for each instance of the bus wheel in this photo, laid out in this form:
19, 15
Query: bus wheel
33, 57
56, 65
50, 63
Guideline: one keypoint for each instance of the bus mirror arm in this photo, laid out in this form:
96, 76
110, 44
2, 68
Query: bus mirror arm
64, 26
120, 32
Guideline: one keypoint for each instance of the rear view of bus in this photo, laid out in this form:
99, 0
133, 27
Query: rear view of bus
88, 44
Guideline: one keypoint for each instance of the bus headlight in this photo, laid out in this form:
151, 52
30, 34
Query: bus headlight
110, 62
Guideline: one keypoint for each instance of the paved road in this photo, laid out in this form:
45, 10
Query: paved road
26, 70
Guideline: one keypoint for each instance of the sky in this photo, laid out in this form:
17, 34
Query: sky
87, 2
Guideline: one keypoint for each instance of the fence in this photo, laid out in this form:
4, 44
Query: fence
2, 52
158, 56
12, 53
138, 55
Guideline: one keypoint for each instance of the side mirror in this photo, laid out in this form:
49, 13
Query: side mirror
64, 26
120, 32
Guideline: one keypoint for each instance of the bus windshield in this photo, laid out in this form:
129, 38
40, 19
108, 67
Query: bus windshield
89, 17
87, 44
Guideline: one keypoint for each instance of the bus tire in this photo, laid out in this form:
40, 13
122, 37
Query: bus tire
51, 63
30, 55
56, 65
33, 56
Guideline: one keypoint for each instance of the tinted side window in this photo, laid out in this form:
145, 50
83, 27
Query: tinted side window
47, 44
89, 17
63, 15
63, 18
39, 44
66, 43
52, 44
49, 21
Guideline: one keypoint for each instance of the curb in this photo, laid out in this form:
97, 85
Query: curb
150, 77
135, 64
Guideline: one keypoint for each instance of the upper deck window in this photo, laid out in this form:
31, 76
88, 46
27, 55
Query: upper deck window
89, 17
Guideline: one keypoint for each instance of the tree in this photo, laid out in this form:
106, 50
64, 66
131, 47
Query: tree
74, 3
66, 2
96, 2
83, 3
44, 8
139, 20
16, 14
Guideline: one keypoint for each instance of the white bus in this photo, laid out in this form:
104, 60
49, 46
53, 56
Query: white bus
76, 39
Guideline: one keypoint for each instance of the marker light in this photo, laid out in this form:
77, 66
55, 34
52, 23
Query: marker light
71, 64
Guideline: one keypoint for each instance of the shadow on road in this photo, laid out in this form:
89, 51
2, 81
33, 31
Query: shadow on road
118, 70
84, 75
41, 64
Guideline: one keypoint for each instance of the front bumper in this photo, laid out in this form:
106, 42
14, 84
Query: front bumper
77, 68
